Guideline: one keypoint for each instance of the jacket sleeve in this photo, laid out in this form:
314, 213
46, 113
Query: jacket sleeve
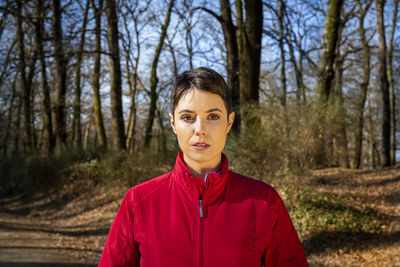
120, 248
284, 247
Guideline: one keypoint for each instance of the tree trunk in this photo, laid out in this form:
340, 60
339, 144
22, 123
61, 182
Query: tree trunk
373, 129
25, 86
154, 79
17, 127
76, 124
87, 131
130, 133
96, 78
249, 37
341, 130
60, 77
132, 84
300, 95
47, 116
9, 118
298, 70
32, 119
282, 51
326, 75
163, 136
363, 86
392, 97
117, 120
383, 84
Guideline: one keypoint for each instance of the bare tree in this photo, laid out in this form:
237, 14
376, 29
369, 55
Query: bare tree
60, 76
47, 116
292, 41
326, 75
154, 78
96, 76
339, 131
9, 117
26, 79
17, 127
281, 15
383, 83
76, 124
115, 77
366, 62
134, 12
392, 97
249, 37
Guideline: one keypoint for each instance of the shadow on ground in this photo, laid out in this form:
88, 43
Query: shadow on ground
325, 241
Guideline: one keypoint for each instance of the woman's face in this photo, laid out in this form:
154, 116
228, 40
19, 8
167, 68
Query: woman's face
201, 124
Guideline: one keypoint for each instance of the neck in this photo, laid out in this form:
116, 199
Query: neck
200, 172
201, 169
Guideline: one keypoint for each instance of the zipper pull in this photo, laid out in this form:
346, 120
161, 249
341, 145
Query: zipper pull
201, 208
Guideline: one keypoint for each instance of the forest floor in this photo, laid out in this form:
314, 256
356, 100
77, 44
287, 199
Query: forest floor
69, 227
374, 240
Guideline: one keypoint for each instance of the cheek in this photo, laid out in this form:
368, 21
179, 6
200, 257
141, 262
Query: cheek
222, 139
221, 133
182, 131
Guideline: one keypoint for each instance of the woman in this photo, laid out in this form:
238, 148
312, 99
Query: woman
200, 213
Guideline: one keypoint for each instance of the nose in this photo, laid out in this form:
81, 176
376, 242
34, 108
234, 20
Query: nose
200, 128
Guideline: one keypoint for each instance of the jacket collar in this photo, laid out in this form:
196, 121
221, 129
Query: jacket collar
180, 166
215, 182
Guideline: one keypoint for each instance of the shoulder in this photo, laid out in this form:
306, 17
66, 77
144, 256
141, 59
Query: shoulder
254, 188
142, 191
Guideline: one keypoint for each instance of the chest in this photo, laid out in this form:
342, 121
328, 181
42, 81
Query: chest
171, 231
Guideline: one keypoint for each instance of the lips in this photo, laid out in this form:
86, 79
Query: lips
200, 146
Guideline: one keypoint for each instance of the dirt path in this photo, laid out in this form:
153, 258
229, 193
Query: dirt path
47, 231
41, 234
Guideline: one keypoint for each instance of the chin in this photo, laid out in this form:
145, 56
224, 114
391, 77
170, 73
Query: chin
202, 156
199, 156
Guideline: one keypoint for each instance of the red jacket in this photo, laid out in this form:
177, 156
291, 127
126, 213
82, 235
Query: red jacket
177, 220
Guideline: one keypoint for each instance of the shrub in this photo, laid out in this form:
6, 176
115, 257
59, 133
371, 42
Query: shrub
284, 142
33, 172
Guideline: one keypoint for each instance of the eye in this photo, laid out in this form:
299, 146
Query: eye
187, 117
213, 117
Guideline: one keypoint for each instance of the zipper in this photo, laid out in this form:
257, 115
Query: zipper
201, 222
201, 208
201, 243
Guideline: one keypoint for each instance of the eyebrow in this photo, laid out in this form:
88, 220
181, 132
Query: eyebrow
208, 111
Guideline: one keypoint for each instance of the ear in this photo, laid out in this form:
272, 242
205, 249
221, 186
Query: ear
231, 119
171, 119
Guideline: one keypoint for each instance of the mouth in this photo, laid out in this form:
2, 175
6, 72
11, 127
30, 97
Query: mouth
200, 146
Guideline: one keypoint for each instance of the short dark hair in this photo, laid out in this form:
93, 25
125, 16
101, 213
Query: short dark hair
203, 79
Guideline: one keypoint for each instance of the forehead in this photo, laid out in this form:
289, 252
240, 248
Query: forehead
199, 100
